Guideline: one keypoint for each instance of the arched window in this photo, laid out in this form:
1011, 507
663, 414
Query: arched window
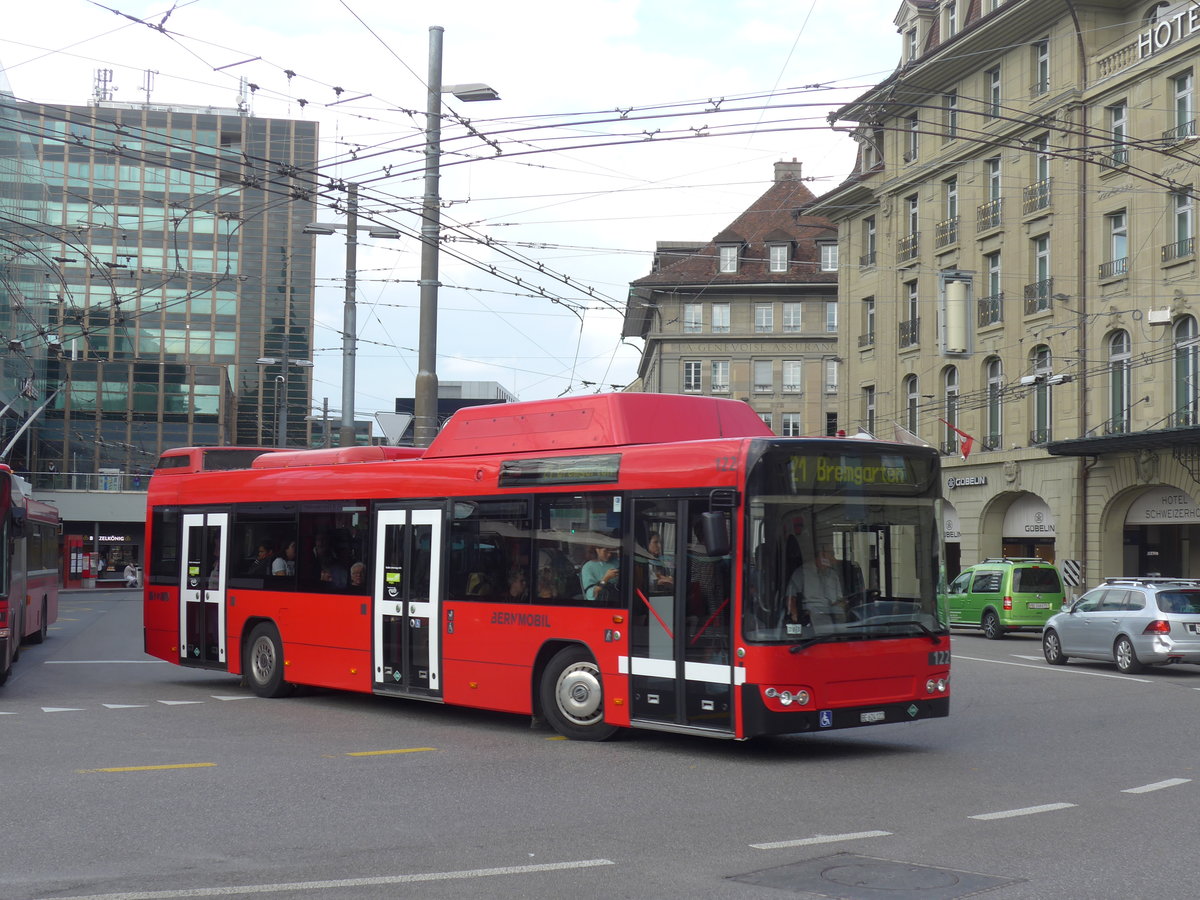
950, 408
1119, 358
1187, 378
912, 401
1042, 363
994, 373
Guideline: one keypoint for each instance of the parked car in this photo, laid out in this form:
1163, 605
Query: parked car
1005, 594
1134, 622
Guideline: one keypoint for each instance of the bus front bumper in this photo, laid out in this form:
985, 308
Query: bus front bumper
760, 720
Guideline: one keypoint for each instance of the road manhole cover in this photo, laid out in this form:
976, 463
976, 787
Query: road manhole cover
846, 876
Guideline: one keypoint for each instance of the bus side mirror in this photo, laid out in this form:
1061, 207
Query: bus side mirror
18, 522
714, 533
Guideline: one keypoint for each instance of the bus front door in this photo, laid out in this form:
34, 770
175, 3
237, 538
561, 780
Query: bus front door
202, 591
680, 669
407, 618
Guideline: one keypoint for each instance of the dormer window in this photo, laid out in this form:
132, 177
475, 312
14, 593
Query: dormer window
777, 258
727, 260
911, 45
951, 19
829, 257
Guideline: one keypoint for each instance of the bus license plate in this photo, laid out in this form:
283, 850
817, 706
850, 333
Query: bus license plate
869, 718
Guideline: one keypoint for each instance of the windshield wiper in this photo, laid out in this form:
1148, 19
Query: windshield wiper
820, 639
935, 636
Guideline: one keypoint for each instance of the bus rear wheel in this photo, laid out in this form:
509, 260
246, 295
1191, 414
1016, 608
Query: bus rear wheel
40, 635
263, 662
572, 696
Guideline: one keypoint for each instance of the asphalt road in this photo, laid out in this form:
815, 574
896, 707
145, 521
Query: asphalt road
125, 777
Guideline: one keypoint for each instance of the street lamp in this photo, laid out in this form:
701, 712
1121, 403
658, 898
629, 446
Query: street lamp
349, 325
425, 393
281, 382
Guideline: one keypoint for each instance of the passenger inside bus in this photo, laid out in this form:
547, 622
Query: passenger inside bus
599, 575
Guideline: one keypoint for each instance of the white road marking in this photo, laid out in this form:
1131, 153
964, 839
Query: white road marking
1023, 656
237, 890
1056, 669
1156, 786
178, 702
62, 709
1027, 811
124, 705
821, 839
234, 697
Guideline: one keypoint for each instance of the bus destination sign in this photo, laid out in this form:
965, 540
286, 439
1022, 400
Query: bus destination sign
816, 472
560, 470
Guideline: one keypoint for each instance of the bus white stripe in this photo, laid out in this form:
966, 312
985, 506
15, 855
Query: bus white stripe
236, 890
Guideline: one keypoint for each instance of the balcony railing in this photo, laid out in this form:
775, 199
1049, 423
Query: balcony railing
866, 340
1183, 417
1040, 436
988, 215
992, 441
1037, 296
991, 310
1117, 425
1039, 87
1115, 160
867, 260
1178, 250
1036, 196
950, 447
908, 333
1114, 268
1180, 132
908, 246
946, 232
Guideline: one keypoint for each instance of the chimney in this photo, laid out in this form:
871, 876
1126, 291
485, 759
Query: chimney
787, 171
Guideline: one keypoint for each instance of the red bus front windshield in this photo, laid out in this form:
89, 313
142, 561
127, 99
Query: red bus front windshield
842, 545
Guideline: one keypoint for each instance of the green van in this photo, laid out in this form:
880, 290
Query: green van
1005, 594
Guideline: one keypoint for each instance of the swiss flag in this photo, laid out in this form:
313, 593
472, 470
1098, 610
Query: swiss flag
967, 441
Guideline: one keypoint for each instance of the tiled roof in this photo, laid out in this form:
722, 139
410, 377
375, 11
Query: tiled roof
769, 220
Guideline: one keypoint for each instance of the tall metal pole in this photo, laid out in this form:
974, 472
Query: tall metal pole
425, 394
349, 325
281, 400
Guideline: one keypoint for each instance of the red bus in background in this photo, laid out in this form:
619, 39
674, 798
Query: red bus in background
622, 560
29, 568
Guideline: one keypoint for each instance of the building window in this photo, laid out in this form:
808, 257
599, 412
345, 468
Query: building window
768, 420
991, 305
1120, 359
764, 318
989, 213
950, 409
994, 371
914, 139
778, 257
910, 322
1185, 110
868, 409
831, 376
720, 376
831, 317
1118, 246
693, 318
720, 318
912, 402
947, 230
950, 114
728, 259
829, 257
1037, 294
793, 317
1041, 67
793, 376
993, 177
994, 102
1187, 373
910, 42
691, 376
868, 322
791, 425
764, 377
868, 257
1118, 125
831, 426
951, 18
1042, 363
1182, 244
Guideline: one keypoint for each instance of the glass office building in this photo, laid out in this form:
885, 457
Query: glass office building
170, 261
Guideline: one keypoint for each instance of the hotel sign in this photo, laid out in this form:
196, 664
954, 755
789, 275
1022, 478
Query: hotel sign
1169, 29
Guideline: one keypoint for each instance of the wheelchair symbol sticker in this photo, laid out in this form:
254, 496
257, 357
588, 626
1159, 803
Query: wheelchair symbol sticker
825, 719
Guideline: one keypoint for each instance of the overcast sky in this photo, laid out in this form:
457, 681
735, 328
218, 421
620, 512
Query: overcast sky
610, 131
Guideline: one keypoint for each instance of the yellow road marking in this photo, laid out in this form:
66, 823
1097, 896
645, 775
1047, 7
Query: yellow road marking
145, 768
390, 752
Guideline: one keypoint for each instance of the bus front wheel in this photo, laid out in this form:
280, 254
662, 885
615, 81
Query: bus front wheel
572, 696
263, 663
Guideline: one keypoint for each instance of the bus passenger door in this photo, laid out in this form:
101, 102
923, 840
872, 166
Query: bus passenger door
680, 669
407, 592
202, 591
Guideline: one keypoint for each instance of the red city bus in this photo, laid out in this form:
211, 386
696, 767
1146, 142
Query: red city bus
29, 568
622, 560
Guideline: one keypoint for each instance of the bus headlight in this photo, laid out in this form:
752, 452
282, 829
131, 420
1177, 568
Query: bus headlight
936, 686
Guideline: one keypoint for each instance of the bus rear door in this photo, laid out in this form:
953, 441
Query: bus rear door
202, 589
407, 618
